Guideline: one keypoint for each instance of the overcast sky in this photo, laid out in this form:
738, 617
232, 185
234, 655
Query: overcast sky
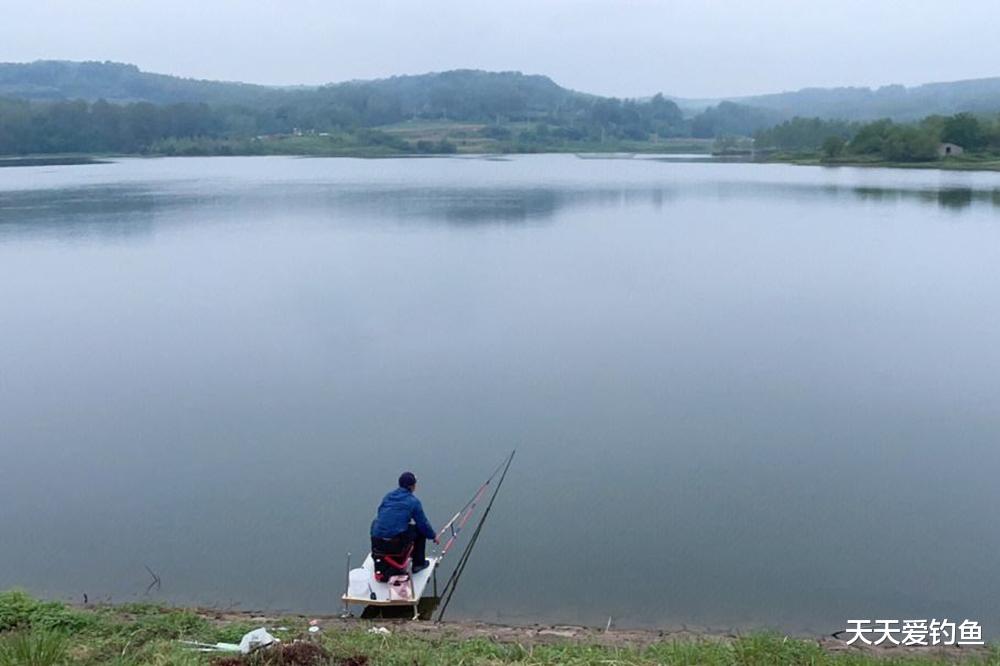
690, 48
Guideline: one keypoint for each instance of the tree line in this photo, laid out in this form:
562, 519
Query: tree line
142, 127
883, 139
28, 127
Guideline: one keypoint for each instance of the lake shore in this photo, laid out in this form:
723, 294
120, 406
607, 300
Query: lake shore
950, 164
583, 151
50, 160
147, 633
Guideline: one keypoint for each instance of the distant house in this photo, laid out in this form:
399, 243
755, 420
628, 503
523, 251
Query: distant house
949, 149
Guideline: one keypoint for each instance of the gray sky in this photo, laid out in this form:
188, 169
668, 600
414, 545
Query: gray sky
690, 48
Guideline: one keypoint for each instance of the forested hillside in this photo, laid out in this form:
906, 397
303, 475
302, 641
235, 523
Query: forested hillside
107, 107
103, 107
894, 102
116, 82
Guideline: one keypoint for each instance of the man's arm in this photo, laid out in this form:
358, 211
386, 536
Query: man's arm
420, 518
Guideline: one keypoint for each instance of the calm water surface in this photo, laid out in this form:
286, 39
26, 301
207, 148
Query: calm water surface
742, 395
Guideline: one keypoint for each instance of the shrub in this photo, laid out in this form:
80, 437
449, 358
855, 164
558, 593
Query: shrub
18, 610
35, 648
833, 146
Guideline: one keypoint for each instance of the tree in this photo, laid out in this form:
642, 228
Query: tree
906, 143
729, 118
665, 116
833, 146
965, 130
804, 134
871, 137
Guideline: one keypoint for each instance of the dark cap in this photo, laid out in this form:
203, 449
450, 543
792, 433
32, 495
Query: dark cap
407, 480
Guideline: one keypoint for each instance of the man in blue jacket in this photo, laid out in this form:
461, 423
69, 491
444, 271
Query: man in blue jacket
398, 508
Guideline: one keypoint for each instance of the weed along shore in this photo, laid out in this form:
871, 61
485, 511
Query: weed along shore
49, 633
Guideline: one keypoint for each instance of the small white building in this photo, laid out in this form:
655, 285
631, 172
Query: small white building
949, 149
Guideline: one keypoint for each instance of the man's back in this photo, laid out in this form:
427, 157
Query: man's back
398, 507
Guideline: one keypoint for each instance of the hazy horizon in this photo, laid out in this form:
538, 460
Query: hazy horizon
635, 49
527, 73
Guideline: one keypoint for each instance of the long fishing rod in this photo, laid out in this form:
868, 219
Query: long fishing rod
449, 588
459, 520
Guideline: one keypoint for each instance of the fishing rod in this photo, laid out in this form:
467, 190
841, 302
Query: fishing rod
460, 518
449, 588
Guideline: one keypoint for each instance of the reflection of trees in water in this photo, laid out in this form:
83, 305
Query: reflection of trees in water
135, 210
85, 211
488, 205
525, 204
514, 205
955, 198
947, 197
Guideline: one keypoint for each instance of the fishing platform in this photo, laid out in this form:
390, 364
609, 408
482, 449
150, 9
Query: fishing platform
364, 589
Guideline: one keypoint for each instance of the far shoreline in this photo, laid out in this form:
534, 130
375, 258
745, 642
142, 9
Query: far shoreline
49, 160
687, 157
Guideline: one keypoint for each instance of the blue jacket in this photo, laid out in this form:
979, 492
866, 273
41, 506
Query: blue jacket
395, 512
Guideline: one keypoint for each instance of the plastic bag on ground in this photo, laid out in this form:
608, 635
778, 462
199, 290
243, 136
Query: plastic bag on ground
255, 639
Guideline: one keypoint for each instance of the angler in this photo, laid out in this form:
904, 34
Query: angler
401, 527
397, 572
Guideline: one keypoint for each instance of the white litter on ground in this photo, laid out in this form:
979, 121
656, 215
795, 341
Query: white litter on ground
211, 647
255, 639
251, 641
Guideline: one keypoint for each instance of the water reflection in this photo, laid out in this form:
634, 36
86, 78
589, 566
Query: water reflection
122, 211
959, 198
954, 198
466, 206
134, 210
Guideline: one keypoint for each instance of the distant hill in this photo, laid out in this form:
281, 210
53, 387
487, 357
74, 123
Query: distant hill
489, 91
468, 94
101, 107
460, 93
895, 101
54, 106
117, 82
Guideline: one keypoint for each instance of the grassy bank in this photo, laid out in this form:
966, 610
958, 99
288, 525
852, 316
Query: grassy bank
405, 140
964, 163
416, 138
37, 633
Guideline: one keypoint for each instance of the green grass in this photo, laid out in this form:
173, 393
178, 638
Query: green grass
419, 138
40, 633
36, 648
18, 610
413, 138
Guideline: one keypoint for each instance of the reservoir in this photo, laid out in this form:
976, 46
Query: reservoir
742, 395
